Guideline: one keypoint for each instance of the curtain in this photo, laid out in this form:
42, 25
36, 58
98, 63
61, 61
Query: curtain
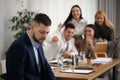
118, 16
109, 6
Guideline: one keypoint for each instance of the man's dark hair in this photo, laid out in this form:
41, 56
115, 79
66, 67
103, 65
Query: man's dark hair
69, 25
42, 18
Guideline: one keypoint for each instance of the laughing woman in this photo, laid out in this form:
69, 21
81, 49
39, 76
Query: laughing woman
75, 17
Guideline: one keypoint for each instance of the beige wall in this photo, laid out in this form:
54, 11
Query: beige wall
1, 29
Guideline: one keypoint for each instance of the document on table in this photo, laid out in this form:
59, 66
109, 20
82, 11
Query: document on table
64, 60
52, 67
102, 60
77, 71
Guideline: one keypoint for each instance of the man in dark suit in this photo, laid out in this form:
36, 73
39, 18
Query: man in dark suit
25, 58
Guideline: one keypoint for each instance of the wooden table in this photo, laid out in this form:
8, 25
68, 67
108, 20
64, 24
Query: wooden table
98, 70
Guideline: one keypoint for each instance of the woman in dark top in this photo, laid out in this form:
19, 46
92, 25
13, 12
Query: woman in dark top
104, 27
106, 31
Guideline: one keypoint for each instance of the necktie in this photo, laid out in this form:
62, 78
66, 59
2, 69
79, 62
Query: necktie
67, 46
39, 60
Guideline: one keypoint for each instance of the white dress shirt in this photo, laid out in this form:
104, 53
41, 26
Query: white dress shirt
79, 26
52, 49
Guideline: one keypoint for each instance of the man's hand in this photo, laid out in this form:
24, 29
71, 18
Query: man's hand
60, 25
55, 39
67, 54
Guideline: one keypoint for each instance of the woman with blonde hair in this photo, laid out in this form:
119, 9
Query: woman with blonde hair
104, 27
106, 31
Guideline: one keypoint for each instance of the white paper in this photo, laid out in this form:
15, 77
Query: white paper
55, 61
77, 71
102, 60
53, 67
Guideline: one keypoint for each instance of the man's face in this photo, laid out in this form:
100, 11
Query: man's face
40, 32
68, 33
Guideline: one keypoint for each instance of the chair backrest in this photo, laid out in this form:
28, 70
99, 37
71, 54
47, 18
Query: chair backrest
2, 66
100, 49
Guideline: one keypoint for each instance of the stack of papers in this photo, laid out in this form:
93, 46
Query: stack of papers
102, 60
77, 71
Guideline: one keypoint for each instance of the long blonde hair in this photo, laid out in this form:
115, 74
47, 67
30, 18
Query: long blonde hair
107, 22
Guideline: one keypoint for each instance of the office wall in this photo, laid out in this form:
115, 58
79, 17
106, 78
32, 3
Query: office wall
1, 29
8, 8
57, 10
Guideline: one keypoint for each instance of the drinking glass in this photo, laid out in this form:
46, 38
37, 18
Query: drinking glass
82, 57
75, 61
60, 61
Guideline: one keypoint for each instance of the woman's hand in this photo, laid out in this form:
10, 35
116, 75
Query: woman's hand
89, 40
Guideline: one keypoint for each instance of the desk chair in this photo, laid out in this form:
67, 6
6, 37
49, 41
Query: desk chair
2, 66
2, 69
100, 49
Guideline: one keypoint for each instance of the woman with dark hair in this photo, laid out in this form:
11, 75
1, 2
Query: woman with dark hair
105, 30
75, 17
89, 39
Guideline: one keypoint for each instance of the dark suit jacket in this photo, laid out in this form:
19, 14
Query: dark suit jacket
21, 62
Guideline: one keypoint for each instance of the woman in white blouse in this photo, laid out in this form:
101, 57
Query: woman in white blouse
75, 17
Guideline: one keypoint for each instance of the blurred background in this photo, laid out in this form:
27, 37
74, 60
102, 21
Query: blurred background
57, 10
